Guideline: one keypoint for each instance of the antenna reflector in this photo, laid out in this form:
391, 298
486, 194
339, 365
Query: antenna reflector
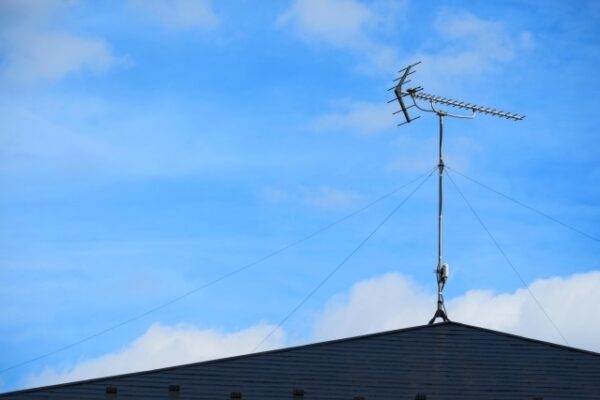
409, 121
410, 73
410, 66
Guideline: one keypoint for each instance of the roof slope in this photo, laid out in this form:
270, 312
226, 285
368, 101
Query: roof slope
443, 361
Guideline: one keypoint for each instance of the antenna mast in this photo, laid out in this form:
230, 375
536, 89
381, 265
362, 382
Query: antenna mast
416, 95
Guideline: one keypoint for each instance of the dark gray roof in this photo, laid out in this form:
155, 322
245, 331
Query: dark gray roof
444, 361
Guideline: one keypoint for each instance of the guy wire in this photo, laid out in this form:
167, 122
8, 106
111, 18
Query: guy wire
218, 279
341, 264
506, 258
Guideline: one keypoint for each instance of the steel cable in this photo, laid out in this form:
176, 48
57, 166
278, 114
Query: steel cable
341, 264
543, 214
508, 261
218, 279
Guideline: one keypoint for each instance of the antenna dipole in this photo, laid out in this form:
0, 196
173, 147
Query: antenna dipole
416, 95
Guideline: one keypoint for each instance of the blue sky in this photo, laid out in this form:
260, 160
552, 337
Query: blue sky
151, 146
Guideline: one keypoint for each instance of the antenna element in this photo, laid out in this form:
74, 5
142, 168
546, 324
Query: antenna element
416, 95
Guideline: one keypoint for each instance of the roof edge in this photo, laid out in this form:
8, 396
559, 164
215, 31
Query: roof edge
218, 360
513, 335
293, 348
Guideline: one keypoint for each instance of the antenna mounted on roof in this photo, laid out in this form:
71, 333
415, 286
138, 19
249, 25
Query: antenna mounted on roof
416, 98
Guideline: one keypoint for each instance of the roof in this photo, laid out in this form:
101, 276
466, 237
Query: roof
444, 361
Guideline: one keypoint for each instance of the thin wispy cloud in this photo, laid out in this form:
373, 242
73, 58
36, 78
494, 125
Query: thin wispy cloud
414, 153
337, 22
486, 40
43, 138
357, 117
342, 24
36, 51
467, 45
321, 197
329, 198
178, 15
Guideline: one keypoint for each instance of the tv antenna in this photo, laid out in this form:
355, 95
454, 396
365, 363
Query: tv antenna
416, 95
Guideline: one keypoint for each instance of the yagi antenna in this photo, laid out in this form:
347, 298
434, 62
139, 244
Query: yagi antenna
415, 98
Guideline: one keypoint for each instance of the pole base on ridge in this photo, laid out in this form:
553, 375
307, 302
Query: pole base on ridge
439, 314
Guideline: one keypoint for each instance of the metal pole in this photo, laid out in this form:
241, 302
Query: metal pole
440, 190
440, 274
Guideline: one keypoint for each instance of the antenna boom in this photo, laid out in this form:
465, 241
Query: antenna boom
466, 106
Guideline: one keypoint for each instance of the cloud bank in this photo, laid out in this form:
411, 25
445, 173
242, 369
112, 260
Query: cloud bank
387, 302
394, 301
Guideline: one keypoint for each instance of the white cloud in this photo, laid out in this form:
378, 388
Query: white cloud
358, 117
346, 24
33, 51
163, 346
570, 302
178, 14
388, 302
393, 301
